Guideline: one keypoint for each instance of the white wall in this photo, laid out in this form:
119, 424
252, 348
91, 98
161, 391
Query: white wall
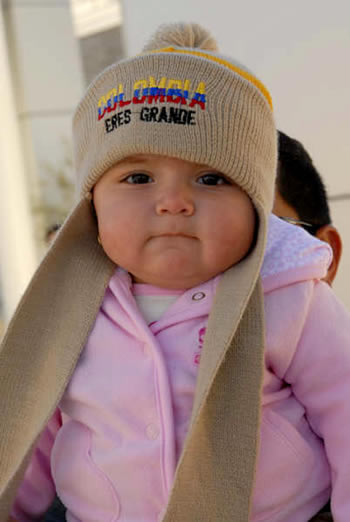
46, 77
301, 51
16, 231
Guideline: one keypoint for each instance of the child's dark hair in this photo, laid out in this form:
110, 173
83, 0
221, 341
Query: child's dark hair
300, 184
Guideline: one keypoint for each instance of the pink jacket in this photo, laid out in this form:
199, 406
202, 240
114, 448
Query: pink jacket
111, 448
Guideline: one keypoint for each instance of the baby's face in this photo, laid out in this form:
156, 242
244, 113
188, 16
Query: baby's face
172, 223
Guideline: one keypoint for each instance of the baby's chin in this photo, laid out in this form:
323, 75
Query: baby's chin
172, 279
175, 268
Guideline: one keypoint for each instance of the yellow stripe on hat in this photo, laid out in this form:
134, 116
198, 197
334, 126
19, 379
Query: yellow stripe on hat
227, 64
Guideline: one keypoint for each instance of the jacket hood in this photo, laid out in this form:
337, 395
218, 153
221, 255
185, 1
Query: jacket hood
292, 255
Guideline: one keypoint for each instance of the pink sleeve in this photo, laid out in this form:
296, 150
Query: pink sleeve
37, 489
320, 377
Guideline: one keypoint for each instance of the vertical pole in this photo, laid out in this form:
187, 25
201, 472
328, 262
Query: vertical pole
17, 249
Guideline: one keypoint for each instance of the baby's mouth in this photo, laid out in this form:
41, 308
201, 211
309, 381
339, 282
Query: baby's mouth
176, 235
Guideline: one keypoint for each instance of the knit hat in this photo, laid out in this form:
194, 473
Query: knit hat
181, 102
179, 98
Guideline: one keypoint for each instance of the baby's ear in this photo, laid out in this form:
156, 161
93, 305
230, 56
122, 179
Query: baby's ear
330, 235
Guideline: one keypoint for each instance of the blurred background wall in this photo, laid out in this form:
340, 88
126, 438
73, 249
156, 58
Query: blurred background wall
55, 47
50, 50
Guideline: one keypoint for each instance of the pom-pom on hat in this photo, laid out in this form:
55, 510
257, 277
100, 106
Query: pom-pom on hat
182, 35
182, 99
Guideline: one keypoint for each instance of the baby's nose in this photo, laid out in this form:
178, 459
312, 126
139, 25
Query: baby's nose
177, 201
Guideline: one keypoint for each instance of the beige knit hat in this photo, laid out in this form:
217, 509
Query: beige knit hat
182, 102
182, 99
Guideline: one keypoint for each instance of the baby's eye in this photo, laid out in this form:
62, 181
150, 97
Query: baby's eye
139, 178
213, 179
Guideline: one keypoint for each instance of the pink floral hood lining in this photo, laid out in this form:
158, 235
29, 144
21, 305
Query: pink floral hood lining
292, 255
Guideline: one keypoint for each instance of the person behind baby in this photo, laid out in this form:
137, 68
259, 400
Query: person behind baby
301, 197
137, 375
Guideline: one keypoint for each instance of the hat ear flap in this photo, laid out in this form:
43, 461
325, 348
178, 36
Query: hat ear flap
45, 338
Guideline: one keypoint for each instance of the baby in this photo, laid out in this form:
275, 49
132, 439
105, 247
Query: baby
162, 365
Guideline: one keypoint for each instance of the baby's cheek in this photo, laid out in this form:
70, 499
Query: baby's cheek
121, 249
